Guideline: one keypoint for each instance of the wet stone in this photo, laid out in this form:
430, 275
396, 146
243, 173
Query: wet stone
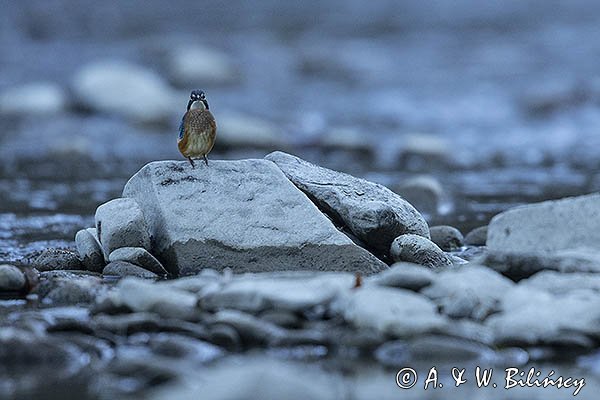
518, 265
448, 238
470, 291
12, 279
260, 221
477, 237
373, 213
57, 259
90, 250
120, 223
124, 268
530, 317
419, 250
395, 312
284, 291
141, 295
138, 256
549, 226
70, 289
404, 275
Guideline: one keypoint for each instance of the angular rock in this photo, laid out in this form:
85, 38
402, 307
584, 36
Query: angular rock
244, 215
395, 312
404, 275
120, 223
448, 238
12, 279
138, 256
90, 250
57, 259
536, 317
123, 268
468, 292
121, 88
375, 214
285, 291
477, 237
548, 226
419, 250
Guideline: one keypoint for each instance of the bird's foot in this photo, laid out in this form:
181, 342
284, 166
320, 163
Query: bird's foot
192, 162
205, 160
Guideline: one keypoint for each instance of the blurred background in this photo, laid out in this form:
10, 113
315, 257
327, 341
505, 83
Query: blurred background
464, 107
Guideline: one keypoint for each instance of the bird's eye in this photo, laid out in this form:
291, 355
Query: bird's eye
202, 96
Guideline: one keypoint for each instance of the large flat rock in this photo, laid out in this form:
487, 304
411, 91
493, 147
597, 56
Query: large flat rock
373, 213
548, 226
240, 214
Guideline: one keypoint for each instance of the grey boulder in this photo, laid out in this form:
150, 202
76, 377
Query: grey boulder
448, 238
373, 213
124, 268
394, 312
90, 250
11, 278
471, 291
531, 316
548, 226
244, 215
138, 256
121, 223
405, 275
419, 250
477, 237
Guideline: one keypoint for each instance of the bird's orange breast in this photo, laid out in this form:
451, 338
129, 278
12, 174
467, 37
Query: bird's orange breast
199, 134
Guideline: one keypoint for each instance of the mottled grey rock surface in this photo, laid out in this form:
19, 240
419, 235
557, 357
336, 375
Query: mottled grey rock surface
395, 312
519, 266
124, 268
548, 226
295, 291
240, 214
405, 275
57, 259
471, 291
11, 278
448, 238
477, 236
90, 250
419, 250
138, 256
375, 214
121, 223
531, 316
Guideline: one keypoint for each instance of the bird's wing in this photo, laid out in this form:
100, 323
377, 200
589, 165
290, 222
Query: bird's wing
182, 126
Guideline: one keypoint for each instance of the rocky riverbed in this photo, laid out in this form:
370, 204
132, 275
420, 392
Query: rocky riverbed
251, 278
299, 281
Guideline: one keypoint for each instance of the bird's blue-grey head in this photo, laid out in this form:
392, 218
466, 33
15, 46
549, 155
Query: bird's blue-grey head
197, 100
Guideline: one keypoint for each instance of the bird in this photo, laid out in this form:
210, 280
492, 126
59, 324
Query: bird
198, 129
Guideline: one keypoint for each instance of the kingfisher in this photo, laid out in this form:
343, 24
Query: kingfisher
197, 130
